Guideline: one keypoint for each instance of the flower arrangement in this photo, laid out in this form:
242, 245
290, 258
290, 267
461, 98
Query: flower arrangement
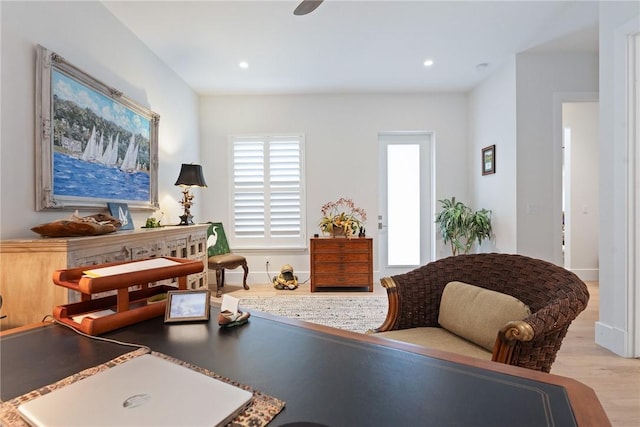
342, 217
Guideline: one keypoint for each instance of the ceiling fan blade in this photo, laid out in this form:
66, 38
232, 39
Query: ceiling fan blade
307, 6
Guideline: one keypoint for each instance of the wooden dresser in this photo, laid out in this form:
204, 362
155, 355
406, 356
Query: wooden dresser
27, 266
341, 262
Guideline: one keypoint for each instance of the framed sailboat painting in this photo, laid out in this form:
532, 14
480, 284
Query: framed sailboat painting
93, 144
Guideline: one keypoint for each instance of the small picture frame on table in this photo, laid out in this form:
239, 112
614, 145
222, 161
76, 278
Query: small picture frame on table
187, 306
489, 160
121, 211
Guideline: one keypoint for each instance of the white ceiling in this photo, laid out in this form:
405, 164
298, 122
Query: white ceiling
351, 46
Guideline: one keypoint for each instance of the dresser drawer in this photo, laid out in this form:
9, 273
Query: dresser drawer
146, 251
342, 245
351, 280
340, 268
321, 257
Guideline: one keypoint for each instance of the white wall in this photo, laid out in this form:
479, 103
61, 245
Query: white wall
615, 329
581, 178
88, 36
341, 149
492, 114
539, 153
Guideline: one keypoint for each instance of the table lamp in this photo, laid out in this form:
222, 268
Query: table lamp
190, 176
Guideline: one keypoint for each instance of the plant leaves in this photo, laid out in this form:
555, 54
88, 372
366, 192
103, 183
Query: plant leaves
462, 227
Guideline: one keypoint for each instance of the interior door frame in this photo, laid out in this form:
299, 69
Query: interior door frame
633, 195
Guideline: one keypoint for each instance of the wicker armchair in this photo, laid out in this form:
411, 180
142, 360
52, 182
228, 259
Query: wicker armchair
554, 295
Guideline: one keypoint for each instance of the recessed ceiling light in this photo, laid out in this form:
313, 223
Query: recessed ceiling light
428, 63
243, 64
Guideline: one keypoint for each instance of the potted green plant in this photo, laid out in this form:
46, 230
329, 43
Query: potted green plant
461, 227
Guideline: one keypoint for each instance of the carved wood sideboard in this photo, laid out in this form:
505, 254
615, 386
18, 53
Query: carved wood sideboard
27, 266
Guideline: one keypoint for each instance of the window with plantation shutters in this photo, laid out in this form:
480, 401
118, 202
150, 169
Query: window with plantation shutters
268, 191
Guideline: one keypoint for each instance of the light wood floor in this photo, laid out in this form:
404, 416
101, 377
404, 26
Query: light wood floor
615, 379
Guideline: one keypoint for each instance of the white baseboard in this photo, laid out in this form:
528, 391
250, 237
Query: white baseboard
261, 277
612, 339
235, 276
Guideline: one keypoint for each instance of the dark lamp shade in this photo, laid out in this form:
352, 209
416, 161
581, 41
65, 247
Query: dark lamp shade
191, 175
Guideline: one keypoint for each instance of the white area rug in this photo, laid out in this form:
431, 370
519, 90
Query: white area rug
357, 314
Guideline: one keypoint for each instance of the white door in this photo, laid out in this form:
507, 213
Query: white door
405, 222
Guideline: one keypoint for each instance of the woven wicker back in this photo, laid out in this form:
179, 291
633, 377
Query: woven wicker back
533, 281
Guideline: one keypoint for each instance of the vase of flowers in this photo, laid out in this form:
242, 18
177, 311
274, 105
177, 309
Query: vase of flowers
342, 218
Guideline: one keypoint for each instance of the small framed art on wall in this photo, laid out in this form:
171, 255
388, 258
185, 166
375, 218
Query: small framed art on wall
489, 160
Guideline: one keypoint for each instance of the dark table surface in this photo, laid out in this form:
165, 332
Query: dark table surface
325, 376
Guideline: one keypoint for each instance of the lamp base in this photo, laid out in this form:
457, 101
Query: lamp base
186, 219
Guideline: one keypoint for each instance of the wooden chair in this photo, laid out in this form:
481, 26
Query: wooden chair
221, 257
555, 296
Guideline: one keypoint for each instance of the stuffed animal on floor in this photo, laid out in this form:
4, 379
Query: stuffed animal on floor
286, 279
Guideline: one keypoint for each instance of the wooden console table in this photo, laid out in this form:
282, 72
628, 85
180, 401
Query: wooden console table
341, 262
27, 266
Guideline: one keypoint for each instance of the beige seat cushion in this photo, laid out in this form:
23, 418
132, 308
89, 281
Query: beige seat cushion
228, 260
439, 339
477, 314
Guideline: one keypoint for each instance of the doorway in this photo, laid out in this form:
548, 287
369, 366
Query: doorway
405, 221
580, 197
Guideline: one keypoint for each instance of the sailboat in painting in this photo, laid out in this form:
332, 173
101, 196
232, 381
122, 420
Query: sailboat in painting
110, 155
130, 161
96, 153
91, 152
